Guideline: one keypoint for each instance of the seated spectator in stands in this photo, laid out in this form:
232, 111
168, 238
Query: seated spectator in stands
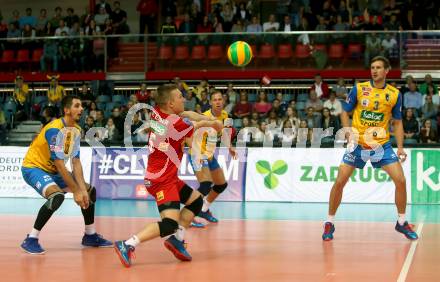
292, 116
217, 24
304, 134
28, 19
320, 87
90, 123
255, 119
21, 99
169, 26
91, 110
393, 24
119, 19
243, 108
283, 103
181, 85
272, 119
320, 38
238, 26
242, 13
288, 134
232, 94
428, 134
413, 98
103, 4
435, 95
49, 114
254, 26
428, 82
333, 105
75, 30
271, 24
374, 24
228, 105
86, 95
373, 47
410, 125
55, 21
429, 109
204, 27
100, 120
340, 89
328, 120
86, 18
204, 102
187, 26
15, 18
71, 18
313, 119
111, 134
262, 106
405, 88
227, 15
13, 37
118, 120
314, 102
276, 107
263, 134
190, 101
340, 25
195, 14
202, 86
28, 38
389, 46
143, 95
100, 18
56, 92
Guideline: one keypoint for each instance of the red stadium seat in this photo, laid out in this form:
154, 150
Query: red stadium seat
36, 55
336, 51
165, 52
215, 52
23, 56
354, 50
181, 53
266, 52
302, 51
254, 50
198, 52
8, 56
321, 47
285, 51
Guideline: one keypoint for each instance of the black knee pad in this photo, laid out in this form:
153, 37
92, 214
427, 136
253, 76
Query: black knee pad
54, 201
220, 188
167, 227
196, 206
185, 193
205, 187
92, 194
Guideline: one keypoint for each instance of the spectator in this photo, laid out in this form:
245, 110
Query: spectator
203, 86
168, 26
405, 88
204, 27
288, 134
242, 13
15, 18
232, 94
187, 26
190, 101
435, 95
286, 25
340, 26
413, 98
86, 95
255, 119
374, 25
373, 46
313, 120
343, 12
56, 92
304, 133
245, 123
195, 14
71, 18
103, 4
118, 120
389, 46
90, 123
21, 98
283, 103
75, 30
228, 104
410, 125
429, 109
428, 134
101, 17
62, 28
333, 105
428, 82
28, 19
238, 26
340, 89
228, 16
65, 49
55, 21
263, 134
321, 38
262, 106
49, 114
41, 23
243, 108
271, 25
292, 116
111, 133
86, 18
143, 95
13, 35
320, 87
314, 102
255, 26
204, 102
100, 121
273, 121
137, 134
119, 19
28, 38
91, 110
329, 120
181, 85
276, 107
50, 54
217, 25
393, 24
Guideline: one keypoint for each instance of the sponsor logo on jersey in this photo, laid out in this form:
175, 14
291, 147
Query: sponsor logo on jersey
365, 102
372, 116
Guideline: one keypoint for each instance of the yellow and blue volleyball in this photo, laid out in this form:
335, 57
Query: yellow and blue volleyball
240, 53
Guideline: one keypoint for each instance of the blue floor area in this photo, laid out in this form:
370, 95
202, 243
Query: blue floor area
236, 210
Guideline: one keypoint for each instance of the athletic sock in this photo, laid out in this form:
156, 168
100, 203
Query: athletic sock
401, 218
330, 218
180, 233
90, 229
34, 233
133, 241
206, 205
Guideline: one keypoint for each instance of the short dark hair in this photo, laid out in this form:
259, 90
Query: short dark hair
215, 92
385, 61
163, 92
68, 101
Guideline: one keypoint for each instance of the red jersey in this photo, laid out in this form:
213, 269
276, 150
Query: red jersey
143, 96
166, 145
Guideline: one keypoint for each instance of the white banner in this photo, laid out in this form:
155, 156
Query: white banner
11, 180
307, 175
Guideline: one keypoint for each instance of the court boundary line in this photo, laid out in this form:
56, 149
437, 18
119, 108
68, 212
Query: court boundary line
410, 256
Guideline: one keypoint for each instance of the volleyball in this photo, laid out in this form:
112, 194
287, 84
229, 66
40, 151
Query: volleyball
240, 53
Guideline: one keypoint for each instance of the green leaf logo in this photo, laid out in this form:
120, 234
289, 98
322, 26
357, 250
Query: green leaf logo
279, 167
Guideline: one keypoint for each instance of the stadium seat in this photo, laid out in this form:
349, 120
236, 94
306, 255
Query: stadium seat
215, 52
198, 52
354, 50
303, 97
23, 56
300, 106
321, 47
101, 106
266, 51
252, 97
165, 53
181, 53
118, 99
287, 97
270, 97
285, 51
336, 51
238, 123
102, 99
302, 51
40, 100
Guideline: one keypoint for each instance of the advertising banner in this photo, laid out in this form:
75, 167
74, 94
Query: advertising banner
307, 175
118, 173
425, 176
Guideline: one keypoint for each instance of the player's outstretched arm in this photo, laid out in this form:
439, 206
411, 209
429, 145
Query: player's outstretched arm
70, 182
194, 116
215, 124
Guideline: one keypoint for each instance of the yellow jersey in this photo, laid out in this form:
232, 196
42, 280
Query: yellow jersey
54, 142
20, 94
372, 110
55, 94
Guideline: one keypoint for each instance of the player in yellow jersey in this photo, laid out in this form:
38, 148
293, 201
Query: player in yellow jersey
373, 103
210, 172
44, 169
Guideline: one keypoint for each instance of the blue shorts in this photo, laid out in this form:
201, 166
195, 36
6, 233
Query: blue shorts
212, 164
40, 179
378, 158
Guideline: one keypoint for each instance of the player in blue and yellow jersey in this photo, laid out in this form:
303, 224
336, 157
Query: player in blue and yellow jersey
44, 168
373, 104
209, 171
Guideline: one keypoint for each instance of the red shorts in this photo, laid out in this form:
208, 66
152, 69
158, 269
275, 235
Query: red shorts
165, 192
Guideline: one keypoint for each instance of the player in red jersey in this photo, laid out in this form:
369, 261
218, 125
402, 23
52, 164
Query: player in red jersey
168, 134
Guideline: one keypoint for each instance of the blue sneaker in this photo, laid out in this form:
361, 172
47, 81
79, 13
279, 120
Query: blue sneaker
95, 240
406, 229
197, 224
208, 216
125, 253
329, 228
177, 248
31, 246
